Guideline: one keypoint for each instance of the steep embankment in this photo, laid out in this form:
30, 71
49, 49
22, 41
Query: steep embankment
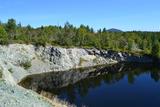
20, 60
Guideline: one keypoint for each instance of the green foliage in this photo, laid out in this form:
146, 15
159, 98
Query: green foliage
10, 70
155, 47
40, 42
11, 24
11, 27
156, 50
83, 36
3, 36
26, 65
1, 74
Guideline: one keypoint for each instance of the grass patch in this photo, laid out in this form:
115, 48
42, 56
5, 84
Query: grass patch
26, 65
1, 74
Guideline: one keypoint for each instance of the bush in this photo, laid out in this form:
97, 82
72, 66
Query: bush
1, 74
156, 50
4, 41
39, 42
26, 65
3, 36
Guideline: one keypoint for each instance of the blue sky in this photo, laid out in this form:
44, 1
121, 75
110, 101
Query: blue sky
122, 14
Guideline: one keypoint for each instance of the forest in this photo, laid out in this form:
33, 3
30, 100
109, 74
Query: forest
137, 42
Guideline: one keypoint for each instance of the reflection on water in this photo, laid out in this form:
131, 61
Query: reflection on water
126, 85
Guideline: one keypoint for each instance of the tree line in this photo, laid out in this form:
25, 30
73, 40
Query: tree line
83, 36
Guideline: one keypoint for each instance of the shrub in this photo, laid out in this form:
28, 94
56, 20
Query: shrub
40, 42
10, 70
156, 50
1, 74
3, 36
4, 41
26, 65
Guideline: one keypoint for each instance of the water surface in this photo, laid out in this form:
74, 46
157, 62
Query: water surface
120, 85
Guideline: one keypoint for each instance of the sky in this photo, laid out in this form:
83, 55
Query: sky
126, 15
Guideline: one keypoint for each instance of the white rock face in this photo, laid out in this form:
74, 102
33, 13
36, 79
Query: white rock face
45, 59
61, 59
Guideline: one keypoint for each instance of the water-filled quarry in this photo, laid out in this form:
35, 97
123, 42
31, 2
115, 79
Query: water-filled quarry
122, 84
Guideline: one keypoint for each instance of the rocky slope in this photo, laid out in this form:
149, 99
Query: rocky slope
12, 95
20, 60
